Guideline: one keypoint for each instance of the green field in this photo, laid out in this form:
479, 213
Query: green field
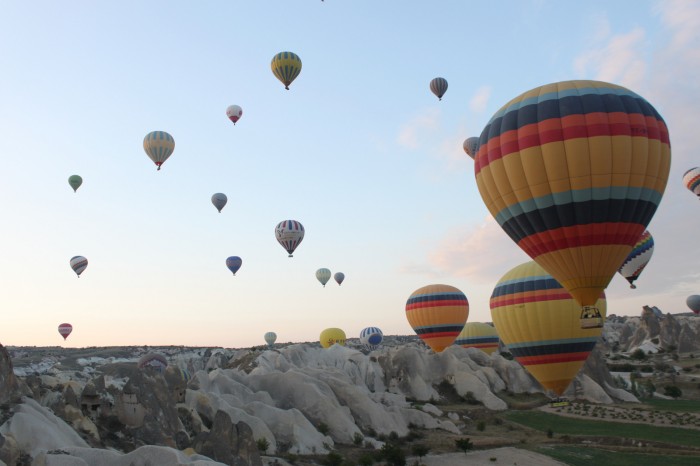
561, 425
674, 405
586, 456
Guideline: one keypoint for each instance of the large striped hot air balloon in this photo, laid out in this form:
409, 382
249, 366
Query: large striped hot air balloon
538, 320
437, 314
331, 336
478, 335
286, 66
573, 172
289, 234
641, 253
270, 338
158, 145
438, 86
691, 180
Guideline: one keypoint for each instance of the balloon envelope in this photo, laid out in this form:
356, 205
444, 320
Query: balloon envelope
693, 302
573, 172
470, 146
538, 320
438, 86
437, 314
153, 361
289, 234
234, 113
371, 338
234, 263
270, 338
339, 277
323, 275
331, 336
75, 181
691, 180
78, 264
641, 253
219, 200
65, 330
286, 66
478, 335
158, 145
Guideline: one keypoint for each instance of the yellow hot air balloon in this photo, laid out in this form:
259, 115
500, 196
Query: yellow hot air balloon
330, 336
573, 172
286, 66
478, 335
437, 314
538, 320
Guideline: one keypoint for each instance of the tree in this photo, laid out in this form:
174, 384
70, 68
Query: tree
638, 354
263, 444
393, 454
464, 444
672, 391
420, 451
332, 459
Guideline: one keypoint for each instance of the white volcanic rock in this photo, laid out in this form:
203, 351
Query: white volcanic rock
36, 429
149, 455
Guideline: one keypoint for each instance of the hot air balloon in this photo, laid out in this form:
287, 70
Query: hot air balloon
470, 146
234, 263
75, 181
478, 335
65, 330
573, 172
691, 180
693, 302
371, 338
632, 268
438, 86
331, 336
539, 322
78, 264
234, 113
219, 200
437, 314
159, 145
270, 338
153, 361
289, 234
339, 277
286, 66
323, 275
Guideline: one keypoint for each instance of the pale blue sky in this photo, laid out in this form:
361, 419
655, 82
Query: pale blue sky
358, 150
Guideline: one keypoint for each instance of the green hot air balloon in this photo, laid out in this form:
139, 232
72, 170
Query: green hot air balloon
75, 181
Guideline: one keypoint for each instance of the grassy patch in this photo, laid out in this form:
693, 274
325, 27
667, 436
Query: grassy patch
674, 405
572, 426
586, 456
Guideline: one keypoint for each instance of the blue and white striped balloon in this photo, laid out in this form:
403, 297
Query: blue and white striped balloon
371, 338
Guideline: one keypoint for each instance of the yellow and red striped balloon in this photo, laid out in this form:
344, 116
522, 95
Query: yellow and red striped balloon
573, 172
538, 320
478, 335
437, 314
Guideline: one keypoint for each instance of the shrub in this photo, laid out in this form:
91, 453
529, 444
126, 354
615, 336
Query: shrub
323, 428
365, 460
550, 433
638, 354
480, 426
420, 451
672, 391
464, 444
332, 459
357, 438
393, 455
263, 444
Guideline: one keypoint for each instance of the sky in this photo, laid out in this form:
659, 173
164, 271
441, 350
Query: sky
358, 150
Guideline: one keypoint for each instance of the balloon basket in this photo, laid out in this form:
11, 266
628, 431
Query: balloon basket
591, 318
